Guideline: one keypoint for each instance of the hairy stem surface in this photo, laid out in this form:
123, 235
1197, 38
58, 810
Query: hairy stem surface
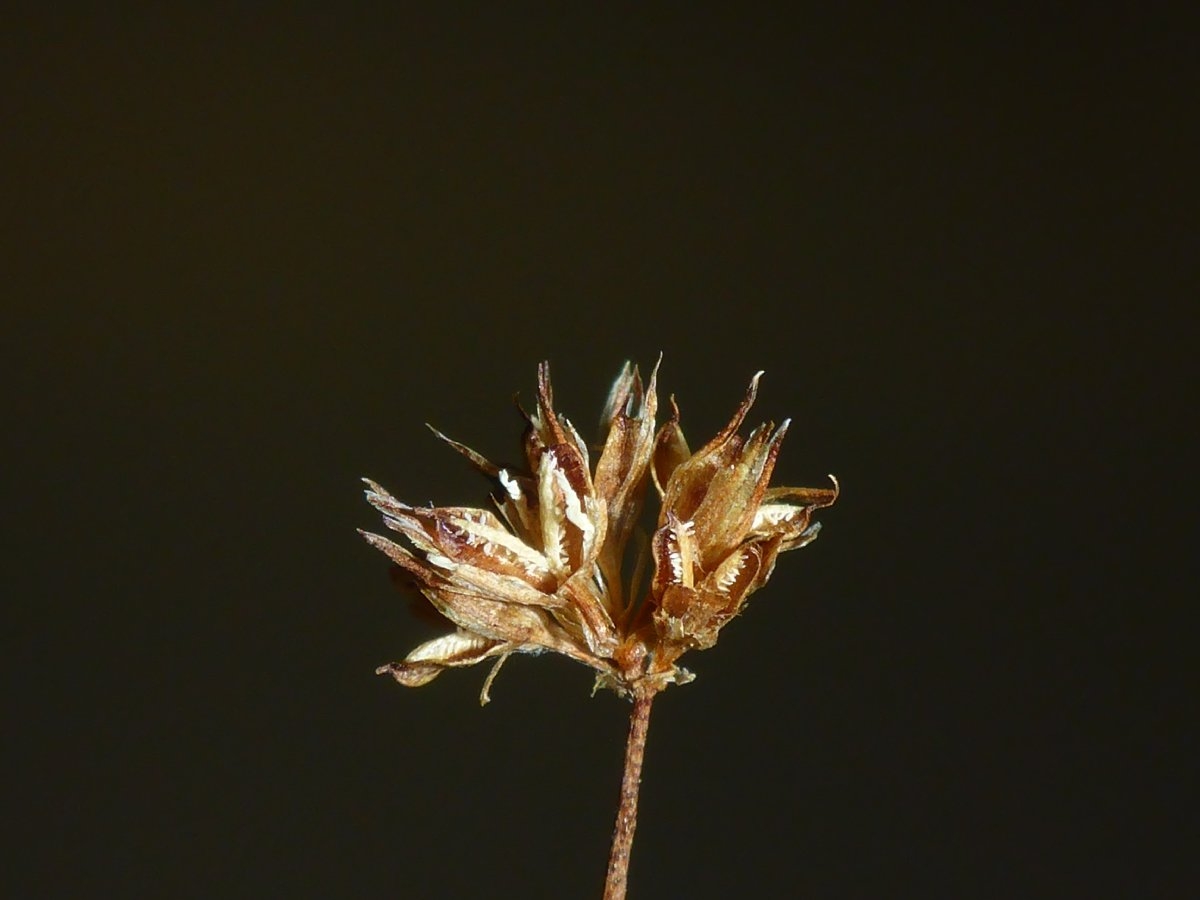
622, 844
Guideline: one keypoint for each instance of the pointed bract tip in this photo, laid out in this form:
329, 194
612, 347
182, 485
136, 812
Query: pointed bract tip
776, 439
674, 409
752, 390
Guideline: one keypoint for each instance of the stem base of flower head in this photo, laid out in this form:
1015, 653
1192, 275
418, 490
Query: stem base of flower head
617, 880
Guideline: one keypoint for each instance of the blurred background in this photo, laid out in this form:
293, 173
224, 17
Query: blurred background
249, 253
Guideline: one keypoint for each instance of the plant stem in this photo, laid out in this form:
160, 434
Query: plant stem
622, 844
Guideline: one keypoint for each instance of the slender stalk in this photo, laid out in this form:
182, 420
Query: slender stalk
622, 843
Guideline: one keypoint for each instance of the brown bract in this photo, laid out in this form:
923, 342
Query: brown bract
544, 571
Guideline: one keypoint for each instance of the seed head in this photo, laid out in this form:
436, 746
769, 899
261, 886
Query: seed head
544, 572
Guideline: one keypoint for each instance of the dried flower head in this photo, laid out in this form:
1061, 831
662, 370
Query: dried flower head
545, 572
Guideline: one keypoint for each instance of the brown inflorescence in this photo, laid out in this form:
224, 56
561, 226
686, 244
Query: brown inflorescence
544, 572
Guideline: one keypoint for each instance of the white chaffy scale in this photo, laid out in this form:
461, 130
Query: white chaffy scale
552, 518
676, 564
510, 485
681, 552
730, 571
489, 538
451, 644
442, 562
770, 515
574, 510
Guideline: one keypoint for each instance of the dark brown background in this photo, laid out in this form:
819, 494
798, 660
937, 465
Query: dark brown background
249, 254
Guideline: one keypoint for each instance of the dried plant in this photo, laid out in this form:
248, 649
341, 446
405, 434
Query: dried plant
544, 572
